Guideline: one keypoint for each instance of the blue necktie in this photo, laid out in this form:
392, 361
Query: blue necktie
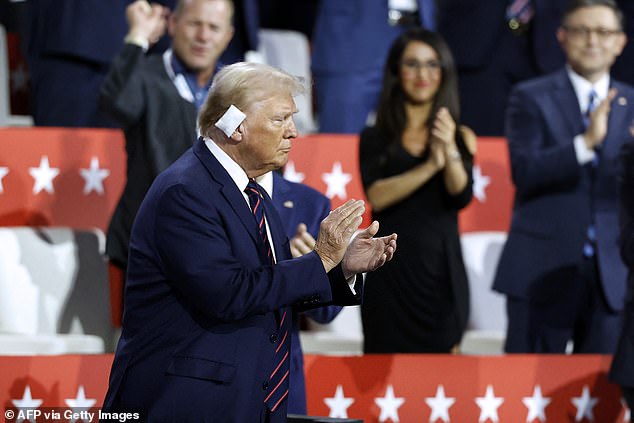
591, 234
592, 104
279, 376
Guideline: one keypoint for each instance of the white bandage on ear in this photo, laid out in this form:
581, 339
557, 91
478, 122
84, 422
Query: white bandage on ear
230, 121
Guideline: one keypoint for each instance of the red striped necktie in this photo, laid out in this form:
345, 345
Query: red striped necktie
277, 384
256, 201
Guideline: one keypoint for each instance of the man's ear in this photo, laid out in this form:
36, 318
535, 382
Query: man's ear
238, 134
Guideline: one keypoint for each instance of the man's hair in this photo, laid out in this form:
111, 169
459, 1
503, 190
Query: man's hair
574, 5
180, 6
244, 84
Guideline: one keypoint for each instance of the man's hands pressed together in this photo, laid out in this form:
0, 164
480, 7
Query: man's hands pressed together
364, 253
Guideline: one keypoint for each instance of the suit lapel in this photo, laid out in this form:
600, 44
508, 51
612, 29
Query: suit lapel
616, 120
566, 100
228, 188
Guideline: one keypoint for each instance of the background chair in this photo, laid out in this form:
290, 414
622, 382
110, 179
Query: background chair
487, 319
342, 336
53, 292
6, 119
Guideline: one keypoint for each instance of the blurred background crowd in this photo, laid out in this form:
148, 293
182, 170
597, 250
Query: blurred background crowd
419, 80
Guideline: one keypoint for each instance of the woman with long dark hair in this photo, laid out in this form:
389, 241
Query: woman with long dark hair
416, 169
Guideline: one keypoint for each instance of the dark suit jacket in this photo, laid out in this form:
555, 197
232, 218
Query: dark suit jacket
200, 301
299, 203
159, 126
474, 31
622, 371
555, 196
71, 45
491, 59
353, 35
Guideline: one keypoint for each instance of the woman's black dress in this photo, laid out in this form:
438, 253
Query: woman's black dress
419, 301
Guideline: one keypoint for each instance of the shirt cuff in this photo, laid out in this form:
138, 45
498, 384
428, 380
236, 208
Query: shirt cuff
583, 153
137, 41
351, 283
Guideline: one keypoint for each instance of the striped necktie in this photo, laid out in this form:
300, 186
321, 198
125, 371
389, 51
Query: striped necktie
277, 385
254, 192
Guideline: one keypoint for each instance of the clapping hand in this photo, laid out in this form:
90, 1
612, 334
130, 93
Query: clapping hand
336, 230
302, 242
443, 138
598, 126
366, 253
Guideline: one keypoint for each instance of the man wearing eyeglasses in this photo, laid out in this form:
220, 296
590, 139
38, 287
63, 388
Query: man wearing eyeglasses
560, 268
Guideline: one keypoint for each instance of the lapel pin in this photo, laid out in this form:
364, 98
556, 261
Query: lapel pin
288, 204
622, 101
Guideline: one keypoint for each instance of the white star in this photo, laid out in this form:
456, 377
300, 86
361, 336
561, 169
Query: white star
3, 172
489, 405
584, 405
336, 181
94, 177
389, 405
43, 176
19, 78
439, 405
536, 405
627, 416
290, 174
27, 402
480, 182
339, 404
80, 402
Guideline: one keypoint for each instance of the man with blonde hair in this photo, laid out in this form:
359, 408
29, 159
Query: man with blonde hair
211, 280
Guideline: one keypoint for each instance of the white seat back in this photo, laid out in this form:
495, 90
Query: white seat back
54, 281
487, 319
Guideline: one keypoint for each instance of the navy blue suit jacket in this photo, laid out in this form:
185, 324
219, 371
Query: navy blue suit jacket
353, 35
200, 303
622, 370
298, 203
491, 59
555, 196
71, 44
473, 29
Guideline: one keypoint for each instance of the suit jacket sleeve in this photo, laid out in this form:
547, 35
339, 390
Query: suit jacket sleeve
121, 93
209, 260
539, 163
